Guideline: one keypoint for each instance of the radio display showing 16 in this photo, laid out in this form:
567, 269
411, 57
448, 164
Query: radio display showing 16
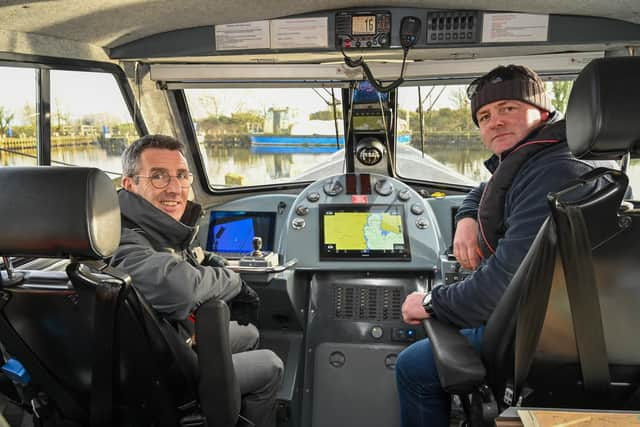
364, 24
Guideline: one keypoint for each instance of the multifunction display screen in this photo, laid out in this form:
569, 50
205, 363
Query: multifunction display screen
231, 232
363, 232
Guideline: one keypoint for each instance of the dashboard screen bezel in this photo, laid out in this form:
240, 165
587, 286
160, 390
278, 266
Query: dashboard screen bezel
263, 223
329, 254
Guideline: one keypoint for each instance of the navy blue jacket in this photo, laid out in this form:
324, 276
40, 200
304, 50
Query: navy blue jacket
469, 303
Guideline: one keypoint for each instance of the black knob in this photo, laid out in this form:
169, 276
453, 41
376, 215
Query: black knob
256, 242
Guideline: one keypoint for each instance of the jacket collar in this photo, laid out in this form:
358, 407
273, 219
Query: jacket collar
157, 225
553, 128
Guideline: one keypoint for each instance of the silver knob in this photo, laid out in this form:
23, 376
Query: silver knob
404, 195
298, 223
417, 209
383, 187
313, 197
377, 332
422, 223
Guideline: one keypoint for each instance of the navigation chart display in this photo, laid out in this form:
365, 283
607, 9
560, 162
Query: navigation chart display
365, 232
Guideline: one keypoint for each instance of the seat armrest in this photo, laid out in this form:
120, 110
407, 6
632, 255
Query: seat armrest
459, 365
218, 387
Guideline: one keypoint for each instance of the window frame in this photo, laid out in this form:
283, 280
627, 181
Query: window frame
43, 65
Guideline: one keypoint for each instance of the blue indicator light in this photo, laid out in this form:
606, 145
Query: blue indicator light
410, 332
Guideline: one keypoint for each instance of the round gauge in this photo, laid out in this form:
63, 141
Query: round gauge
313, 196
369, 155
404, 195
333, 187
383, 187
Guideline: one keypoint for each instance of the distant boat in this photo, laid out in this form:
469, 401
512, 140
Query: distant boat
308, 140
299, 140
317, 136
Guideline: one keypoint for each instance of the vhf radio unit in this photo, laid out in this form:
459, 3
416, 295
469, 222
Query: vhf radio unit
363, 30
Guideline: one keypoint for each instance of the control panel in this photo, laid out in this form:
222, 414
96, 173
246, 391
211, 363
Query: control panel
362, 221
355, 30
451, 270
452, 27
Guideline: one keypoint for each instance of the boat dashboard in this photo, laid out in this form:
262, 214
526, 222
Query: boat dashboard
357, 222
349, 249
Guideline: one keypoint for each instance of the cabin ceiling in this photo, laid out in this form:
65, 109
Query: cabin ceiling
109, 23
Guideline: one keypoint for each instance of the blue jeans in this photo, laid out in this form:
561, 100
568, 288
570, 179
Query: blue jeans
423, 402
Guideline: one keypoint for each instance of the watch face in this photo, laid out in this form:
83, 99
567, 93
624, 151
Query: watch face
427, 299
426, 303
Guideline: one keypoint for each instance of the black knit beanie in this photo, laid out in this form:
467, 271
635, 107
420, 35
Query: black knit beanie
511, 82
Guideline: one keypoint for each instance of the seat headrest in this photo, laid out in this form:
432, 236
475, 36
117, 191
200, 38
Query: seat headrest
58, 212
603, 114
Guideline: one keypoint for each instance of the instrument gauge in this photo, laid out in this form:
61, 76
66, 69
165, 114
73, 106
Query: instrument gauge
369, 155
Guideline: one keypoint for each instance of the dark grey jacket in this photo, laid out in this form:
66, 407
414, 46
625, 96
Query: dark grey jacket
154, 251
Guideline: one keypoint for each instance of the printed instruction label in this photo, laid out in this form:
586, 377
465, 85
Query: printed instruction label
514, 27
299, 33
245, 35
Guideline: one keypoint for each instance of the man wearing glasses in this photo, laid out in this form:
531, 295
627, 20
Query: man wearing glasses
496, 225
159, 225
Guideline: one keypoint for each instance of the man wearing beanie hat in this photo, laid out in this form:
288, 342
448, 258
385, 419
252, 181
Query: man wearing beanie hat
496, 225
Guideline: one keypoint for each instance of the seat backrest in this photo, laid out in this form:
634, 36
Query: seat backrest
601, 124
539, 344
49, 321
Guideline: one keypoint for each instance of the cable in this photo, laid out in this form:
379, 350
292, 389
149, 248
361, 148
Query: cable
367, 71
386, 136
352, 94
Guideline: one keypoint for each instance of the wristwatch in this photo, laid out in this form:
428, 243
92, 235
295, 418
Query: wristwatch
426, 304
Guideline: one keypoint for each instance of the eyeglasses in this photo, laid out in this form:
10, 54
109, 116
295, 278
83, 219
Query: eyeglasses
162, 180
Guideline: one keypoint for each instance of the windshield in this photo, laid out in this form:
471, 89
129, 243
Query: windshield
262, 136
438, 120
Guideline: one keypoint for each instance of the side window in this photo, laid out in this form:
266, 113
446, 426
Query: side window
18, 117
90, 122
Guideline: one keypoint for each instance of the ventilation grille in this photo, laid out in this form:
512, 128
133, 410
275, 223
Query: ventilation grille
372, 303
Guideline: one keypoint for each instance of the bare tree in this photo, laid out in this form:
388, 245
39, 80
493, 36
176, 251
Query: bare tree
210, 105
560, 91
61, 117
5, 120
